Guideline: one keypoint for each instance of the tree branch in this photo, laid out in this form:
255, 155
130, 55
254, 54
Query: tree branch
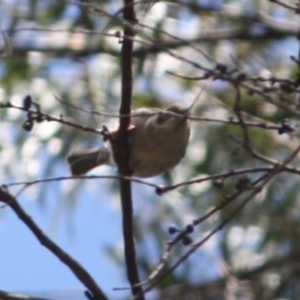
75, 267
13, 296
121, 150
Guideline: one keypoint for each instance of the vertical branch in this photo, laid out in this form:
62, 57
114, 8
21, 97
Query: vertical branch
126, 63
122, 151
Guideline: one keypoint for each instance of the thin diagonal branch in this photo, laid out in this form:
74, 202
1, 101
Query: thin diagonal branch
73, 265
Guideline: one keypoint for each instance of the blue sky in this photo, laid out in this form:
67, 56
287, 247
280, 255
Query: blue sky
29, 267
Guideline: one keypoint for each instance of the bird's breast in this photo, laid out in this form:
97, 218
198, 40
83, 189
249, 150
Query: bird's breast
154, 151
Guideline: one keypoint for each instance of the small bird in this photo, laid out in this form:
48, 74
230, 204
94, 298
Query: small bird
157, 139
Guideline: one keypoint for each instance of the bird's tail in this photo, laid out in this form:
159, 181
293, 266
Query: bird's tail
83, 161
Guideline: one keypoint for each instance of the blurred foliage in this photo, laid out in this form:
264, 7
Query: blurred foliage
63, 50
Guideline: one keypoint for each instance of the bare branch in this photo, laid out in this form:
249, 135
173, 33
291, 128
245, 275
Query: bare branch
83, 276
121, 150
13, 296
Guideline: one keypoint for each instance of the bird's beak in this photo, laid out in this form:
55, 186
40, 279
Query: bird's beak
185, 113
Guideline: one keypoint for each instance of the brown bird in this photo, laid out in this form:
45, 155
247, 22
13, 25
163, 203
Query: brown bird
158, 140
